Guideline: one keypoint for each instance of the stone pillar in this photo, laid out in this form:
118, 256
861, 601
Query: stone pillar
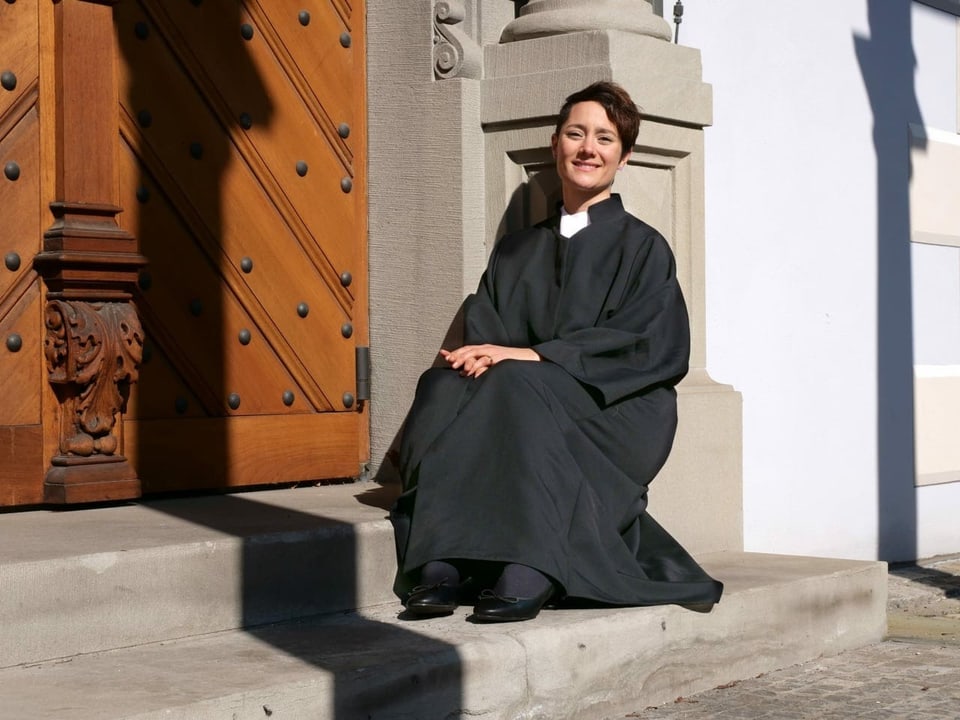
552, 49
93, 339
426, 198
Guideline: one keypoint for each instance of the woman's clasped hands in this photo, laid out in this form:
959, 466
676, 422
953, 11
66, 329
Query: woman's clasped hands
475, 360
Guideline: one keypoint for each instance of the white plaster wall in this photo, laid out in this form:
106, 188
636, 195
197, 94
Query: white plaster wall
792, 268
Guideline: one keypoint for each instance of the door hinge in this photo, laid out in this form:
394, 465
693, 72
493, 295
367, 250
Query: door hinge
363, 373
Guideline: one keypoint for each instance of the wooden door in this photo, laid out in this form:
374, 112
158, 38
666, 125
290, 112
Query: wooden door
241, 139
21, 430
227, 139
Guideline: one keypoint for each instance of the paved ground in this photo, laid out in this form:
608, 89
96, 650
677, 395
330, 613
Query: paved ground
913, 675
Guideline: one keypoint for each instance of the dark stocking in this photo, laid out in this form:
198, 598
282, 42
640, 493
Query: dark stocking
436, 572
521, 581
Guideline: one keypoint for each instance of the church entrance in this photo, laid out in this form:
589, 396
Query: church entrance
238, 159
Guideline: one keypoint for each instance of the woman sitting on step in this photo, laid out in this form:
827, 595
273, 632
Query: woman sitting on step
526, 460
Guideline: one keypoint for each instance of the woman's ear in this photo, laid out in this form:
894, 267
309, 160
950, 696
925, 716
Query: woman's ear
624, 159
553, 145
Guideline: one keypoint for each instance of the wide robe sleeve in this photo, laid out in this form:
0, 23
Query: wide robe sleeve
610, 307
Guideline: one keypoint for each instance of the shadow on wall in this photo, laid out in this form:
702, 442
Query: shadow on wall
887, 64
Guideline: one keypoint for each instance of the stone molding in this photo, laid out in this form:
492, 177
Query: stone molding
455, 53
539, 18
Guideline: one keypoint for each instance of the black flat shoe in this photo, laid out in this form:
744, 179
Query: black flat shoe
496, 608
439, 599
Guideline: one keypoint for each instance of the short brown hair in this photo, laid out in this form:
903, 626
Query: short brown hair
621, 110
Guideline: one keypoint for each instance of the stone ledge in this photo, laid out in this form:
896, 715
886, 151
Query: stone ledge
108, 577
777, 611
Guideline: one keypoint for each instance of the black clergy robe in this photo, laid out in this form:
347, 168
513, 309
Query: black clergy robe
547, 463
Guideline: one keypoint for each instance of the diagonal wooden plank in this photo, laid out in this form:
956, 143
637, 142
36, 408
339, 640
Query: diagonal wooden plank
297, 54
180, 274
309, 382
20, 201
303, 215
18, 109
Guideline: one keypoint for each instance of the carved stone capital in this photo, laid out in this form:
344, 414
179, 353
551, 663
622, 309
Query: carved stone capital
455, 53
539, 18
93, 353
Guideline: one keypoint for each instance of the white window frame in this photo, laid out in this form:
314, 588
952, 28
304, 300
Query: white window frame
936, 388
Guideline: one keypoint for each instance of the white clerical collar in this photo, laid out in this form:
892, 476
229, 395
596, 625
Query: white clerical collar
570, 225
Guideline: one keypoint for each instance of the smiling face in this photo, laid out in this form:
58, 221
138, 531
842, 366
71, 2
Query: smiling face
588, 152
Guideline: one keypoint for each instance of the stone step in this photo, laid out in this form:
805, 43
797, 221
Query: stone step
568, 663
92, 579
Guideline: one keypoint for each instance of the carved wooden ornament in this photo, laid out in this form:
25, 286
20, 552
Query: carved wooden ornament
93, 353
